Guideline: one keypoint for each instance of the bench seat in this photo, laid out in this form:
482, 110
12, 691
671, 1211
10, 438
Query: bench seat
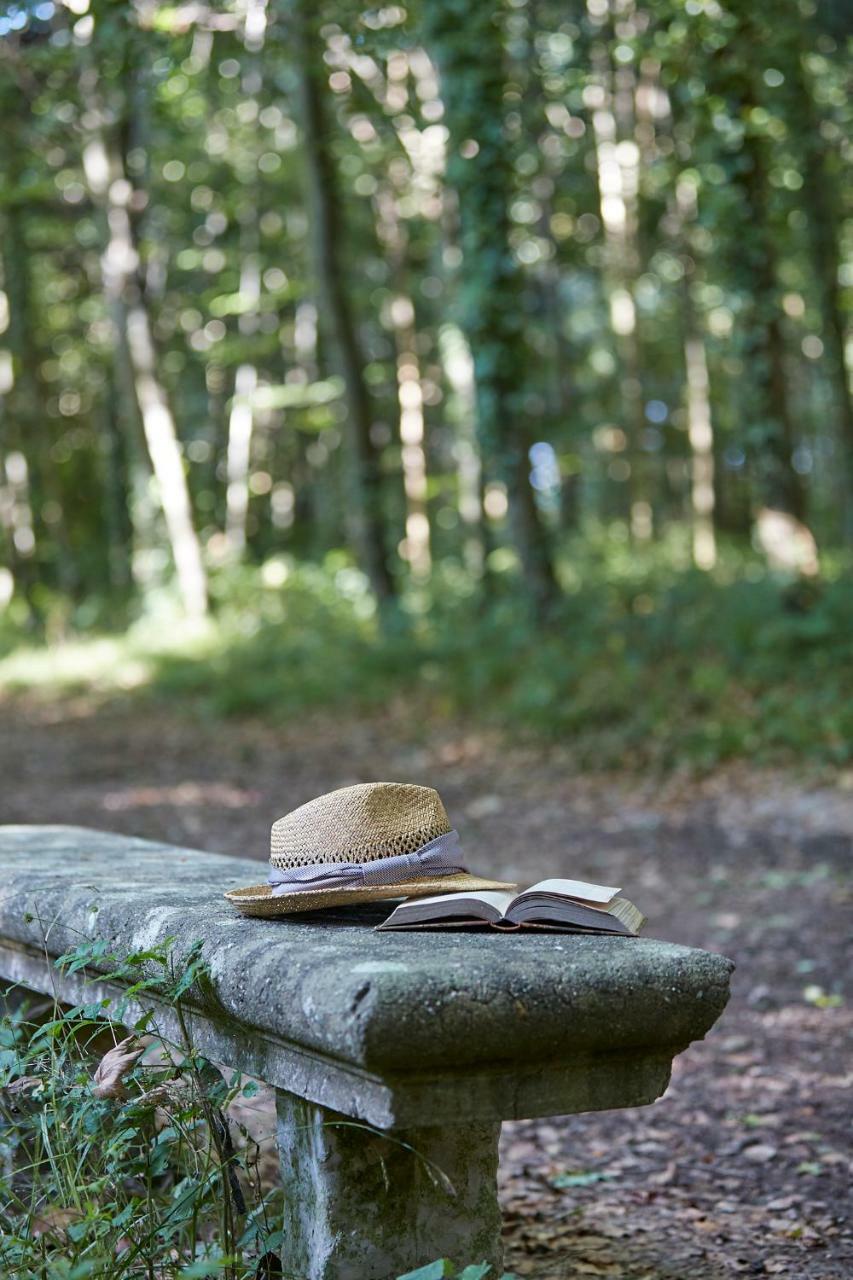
416, 1031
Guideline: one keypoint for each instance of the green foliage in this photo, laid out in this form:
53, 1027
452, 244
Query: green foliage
443, 1269
583, 194
485, 166
644, 662
144, 1177
143, 1180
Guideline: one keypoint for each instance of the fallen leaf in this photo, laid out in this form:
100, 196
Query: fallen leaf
114, 1066
54, 1221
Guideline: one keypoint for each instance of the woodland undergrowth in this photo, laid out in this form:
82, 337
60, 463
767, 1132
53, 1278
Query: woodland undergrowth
123, 1155
642, 663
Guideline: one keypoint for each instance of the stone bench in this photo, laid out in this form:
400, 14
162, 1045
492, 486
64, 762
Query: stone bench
433, 1037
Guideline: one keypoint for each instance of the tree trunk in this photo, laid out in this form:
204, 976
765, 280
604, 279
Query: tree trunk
769, 436
610, 99
701, 436
26, 401
112, 193
16, 515
822, 207
241, 418
238, 458
117, 496
700, 428
462, 412
328, 233
779, 486
18, 417
409, 390
491, 302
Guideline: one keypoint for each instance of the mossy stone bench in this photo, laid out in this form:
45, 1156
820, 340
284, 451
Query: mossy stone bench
433, 1037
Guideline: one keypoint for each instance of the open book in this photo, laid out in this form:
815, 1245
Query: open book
570, 906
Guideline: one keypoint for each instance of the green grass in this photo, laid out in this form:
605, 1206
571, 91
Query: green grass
141, 1180
645, 662
124, 1158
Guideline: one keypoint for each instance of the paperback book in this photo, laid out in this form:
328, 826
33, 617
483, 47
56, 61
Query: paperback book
566, 906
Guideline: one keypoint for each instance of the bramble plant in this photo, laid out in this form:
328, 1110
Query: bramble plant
118, 1154
132, 1171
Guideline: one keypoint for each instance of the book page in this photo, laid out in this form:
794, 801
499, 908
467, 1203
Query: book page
497, 899
550, 909
582, 889
485, 905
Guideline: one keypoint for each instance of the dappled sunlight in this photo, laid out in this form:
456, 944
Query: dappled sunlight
664, 666
103, 664
457, 393
436, 315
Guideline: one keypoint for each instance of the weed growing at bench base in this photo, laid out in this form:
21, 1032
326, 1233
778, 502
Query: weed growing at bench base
132, 1172
117, 1153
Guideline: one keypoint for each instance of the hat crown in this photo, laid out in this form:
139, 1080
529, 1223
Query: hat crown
363, 823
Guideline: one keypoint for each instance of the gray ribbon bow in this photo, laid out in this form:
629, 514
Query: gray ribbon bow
438, 858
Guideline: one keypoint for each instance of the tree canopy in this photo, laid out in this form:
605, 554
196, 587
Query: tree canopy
430, 289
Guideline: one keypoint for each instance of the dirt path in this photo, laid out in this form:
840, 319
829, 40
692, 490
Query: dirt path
744, 1166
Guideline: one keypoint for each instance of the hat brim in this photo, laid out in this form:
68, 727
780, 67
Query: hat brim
258, 899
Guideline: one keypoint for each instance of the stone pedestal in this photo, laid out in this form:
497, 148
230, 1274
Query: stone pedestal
365, 1205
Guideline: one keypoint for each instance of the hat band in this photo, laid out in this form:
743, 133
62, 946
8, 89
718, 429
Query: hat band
440, 857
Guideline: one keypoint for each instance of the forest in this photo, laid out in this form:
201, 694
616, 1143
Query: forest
452, 392
493, 356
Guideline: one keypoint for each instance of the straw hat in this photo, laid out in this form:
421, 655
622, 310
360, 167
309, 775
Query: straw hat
359, 844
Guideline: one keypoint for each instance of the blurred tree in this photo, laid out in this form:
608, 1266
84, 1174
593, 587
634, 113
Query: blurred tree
753, 254
437, 288
820, 178
111, 190
467, 47
328, 237
33, 480
253, 15
700, 431
610, 97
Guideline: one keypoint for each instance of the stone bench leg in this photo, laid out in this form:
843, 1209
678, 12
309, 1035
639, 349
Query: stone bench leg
362, 1206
